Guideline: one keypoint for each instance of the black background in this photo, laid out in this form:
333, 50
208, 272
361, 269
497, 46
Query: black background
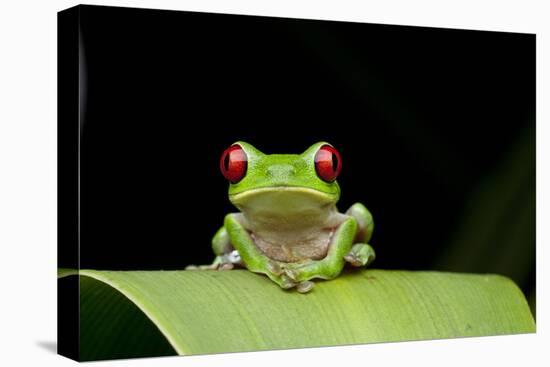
423, 117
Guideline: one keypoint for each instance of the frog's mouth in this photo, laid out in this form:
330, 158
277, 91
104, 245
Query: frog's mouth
282, 199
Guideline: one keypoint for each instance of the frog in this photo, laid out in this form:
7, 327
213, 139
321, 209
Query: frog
288, 226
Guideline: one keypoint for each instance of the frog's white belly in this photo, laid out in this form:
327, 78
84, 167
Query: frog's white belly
294, 248
296, 236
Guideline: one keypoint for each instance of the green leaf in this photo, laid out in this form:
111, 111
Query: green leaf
197, 312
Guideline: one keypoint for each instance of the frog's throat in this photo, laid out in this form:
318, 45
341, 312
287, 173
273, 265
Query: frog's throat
275, 192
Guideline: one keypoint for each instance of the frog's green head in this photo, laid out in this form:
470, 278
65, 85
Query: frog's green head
283, 181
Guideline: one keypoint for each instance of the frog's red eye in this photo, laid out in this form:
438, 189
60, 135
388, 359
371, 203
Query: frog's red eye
233, 163
328, 163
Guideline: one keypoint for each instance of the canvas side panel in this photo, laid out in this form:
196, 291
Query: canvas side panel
68, 180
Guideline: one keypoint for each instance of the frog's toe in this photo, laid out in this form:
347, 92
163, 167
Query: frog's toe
353, 260
360, 254
286, 282
202, 267
305, 286
292, 274
274, 268
226, 266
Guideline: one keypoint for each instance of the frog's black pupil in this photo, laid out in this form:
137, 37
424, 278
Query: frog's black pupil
334, 162
226, 161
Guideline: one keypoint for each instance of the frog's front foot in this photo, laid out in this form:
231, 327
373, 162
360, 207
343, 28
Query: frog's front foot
361, 254
288, 282
229, 260
277, 272
287, 277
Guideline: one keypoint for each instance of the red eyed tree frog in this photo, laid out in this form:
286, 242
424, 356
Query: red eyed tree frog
288, 227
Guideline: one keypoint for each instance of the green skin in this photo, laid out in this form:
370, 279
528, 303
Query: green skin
288, 227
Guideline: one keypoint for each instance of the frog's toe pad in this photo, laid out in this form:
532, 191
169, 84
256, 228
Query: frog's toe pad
226, 266
305, 286
274, 268
354, 260
360, 254
286, 282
